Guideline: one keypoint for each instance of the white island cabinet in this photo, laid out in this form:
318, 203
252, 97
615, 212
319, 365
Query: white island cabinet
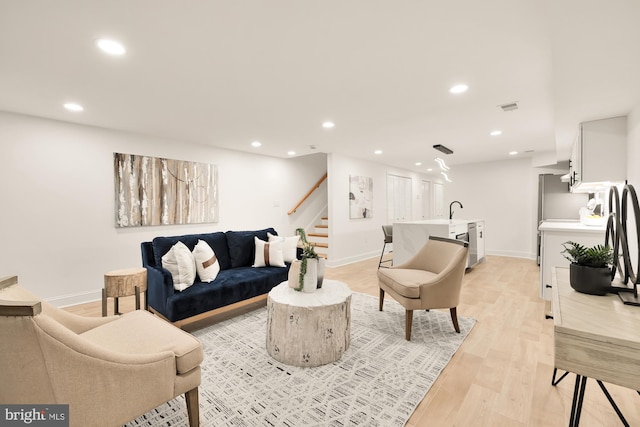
410, 237
552, 235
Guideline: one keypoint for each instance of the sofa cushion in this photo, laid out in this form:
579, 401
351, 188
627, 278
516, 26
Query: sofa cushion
207, 264
231, 286
242, 246
140, 332
181, 264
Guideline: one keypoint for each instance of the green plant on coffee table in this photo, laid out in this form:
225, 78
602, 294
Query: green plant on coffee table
307, 252
597, 256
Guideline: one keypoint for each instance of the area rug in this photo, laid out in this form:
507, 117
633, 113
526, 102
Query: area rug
379, 381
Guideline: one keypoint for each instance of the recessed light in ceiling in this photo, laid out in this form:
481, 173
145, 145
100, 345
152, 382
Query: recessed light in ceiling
256, 144
459, 88
328, 125
72, 106
291, 153
377, 152
418, 163
430, 169
111, 47
513, 153
495, 132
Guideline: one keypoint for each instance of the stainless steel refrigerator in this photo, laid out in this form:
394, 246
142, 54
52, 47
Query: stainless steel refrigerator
556, 202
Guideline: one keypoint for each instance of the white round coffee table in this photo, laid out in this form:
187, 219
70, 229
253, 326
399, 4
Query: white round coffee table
309, 329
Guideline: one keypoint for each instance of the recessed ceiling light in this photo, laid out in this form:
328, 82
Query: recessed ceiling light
495, 132
459, 88
418, 163
111, 47
291, 153
513, 153
256, 144
72, 106
430, 169
328, 125
377, 152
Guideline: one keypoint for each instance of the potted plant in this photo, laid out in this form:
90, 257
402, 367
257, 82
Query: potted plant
306, 273
590, 269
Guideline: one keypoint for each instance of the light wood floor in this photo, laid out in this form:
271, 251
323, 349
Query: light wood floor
501, 375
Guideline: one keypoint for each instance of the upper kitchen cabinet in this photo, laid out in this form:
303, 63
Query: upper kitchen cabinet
598, 158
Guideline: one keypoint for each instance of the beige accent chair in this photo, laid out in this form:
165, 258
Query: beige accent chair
109, 370
431, 279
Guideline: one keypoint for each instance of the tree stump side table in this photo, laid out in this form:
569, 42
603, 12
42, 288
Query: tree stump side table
309, 329
122, 283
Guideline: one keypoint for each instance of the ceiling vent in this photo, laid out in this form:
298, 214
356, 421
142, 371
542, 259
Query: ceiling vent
443, 149
509, 107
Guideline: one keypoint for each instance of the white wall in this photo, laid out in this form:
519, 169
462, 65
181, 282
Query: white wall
504, 194
57, 225
633, 177
356, 239
633, 147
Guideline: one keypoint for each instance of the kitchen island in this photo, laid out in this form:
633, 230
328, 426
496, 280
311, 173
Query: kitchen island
409, 237
552, 235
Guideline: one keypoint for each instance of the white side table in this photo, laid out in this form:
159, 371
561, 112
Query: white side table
309, 329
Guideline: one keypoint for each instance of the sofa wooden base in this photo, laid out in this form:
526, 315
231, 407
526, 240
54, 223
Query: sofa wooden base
260, 300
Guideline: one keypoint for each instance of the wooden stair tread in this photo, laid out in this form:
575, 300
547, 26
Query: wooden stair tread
322, 226
319, 245
318, 234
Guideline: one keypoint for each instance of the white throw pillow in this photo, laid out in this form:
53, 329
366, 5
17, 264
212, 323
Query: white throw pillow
268, 254
181, 264
289, 246
207, 264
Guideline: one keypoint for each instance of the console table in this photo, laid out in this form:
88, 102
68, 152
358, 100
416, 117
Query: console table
594, 337
309, 329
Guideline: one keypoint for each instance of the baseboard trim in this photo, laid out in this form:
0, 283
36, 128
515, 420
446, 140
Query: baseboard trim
351, 260
75, 299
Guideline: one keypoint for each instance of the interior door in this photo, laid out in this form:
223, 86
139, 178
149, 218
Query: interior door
425, 188
398, 198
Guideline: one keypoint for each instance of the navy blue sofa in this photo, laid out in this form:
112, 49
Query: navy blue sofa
237, 280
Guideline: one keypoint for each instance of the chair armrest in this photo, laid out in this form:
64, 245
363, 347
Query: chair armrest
159, 287
20, 308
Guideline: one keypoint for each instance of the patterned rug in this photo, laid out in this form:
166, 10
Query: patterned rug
379, 380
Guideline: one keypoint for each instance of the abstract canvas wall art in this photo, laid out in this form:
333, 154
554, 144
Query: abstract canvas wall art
360, 197
158, 191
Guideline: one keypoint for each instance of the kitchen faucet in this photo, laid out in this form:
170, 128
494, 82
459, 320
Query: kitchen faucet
451, 208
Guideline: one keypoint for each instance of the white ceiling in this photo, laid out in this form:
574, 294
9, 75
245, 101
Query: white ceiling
226, 73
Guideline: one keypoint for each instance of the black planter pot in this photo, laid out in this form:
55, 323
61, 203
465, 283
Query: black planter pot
590, 280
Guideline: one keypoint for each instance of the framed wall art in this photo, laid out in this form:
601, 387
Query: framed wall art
360, 197
159, 191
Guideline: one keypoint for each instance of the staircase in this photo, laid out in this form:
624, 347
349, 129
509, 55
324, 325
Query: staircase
319, 239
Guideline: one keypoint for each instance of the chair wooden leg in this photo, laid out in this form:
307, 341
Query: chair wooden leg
454, 319
193, 407
408, 323
381, 299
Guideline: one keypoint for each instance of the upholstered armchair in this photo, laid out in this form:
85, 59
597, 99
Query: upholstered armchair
430, 279
109, 370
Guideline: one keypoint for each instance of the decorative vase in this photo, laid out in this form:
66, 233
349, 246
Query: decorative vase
590, 280
310, 280
321, 264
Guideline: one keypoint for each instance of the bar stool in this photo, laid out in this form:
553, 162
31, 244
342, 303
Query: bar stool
388, 238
